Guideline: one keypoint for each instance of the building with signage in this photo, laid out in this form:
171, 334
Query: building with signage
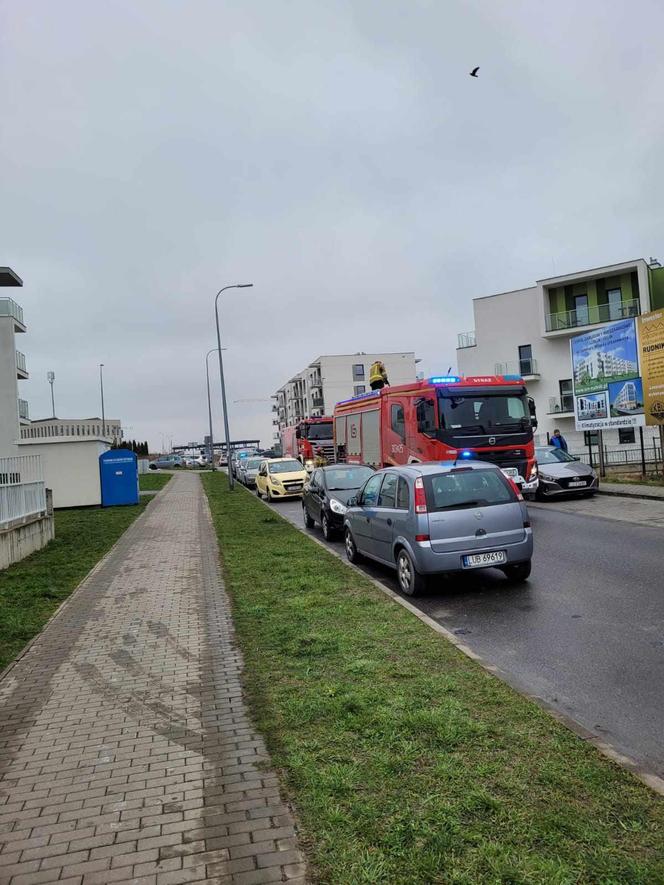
327, 380
528, 332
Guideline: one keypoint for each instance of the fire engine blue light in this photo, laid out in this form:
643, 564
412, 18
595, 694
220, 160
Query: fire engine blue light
444, 379
466, 454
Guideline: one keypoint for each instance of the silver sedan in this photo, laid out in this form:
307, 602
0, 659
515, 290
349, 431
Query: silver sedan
562, 474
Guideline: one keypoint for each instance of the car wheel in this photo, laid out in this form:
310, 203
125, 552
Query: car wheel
308, 521
258, 492
328, 531
518, 572
352, 553
411, 581
268, 495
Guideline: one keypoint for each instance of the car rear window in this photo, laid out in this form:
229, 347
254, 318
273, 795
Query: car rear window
467, 488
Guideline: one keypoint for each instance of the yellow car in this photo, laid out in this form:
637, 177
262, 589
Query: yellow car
280, 478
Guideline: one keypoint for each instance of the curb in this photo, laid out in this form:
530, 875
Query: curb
640, 496
651, 780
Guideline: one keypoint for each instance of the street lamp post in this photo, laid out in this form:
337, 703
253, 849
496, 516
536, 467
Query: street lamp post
231, 481
207, 376
101, 387
50, 377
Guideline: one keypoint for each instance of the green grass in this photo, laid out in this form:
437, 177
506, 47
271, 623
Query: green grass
31, 590
635, 479
152, 482
405, 761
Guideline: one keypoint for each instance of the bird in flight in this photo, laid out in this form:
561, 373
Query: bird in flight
474, 71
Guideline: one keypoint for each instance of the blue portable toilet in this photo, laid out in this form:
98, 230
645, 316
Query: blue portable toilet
118, 472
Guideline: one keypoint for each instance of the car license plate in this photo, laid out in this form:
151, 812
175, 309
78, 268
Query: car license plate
483, 560
512, 472
575, 485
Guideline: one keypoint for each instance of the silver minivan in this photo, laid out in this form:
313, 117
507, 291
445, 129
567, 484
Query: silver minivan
430, 519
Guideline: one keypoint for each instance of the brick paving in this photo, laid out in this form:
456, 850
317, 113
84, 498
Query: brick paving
126, 750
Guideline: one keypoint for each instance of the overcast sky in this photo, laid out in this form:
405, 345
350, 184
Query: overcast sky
334, 153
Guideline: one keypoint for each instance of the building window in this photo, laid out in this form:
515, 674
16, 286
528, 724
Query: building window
590, 437
581, 310
614, 300
626, 436
526, 359
358, 372
566, 395
359, 388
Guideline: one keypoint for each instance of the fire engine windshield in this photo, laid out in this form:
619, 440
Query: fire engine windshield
476, 414
320, 431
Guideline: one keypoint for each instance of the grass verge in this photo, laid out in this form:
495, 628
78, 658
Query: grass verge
406, 762
31, 590
152, 482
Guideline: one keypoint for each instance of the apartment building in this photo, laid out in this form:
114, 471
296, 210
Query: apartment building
13, 409
527, 332
327, 380
44, 428
599, 363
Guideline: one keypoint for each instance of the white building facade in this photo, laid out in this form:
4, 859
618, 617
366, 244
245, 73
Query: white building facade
527, 332
316, 390
13, 409
49, 428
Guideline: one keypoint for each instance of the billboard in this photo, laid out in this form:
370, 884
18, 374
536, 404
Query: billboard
608, 390
651, 347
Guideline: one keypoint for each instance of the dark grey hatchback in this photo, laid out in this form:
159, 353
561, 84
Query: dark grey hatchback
429, 519
325, 497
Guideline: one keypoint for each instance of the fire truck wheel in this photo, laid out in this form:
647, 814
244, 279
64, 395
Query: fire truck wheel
309, 523
411, 581
351, 550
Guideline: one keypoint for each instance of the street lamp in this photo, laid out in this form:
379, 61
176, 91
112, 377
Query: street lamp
50, 377
231, 481
101, 385
207, 376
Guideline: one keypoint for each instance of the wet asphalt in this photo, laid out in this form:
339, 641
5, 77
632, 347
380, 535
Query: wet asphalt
585, 633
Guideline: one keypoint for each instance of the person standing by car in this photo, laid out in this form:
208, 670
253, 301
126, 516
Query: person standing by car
320, 459
558, 441
378, 375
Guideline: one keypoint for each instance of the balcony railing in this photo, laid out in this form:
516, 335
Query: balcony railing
466, 339
591, 315
21, 365
564, 403
9, 308
518, 367
23, 410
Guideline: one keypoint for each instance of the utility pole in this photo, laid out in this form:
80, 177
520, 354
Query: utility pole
101, 386
51, 378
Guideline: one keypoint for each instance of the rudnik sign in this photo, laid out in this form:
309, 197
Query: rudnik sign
608, 390
651, 344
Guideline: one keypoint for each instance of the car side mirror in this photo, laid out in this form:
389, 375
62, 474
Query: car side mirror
352, 502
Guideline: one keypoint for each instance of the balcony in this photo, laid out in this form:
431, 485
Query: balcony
23, 410
526, 369
561, 405
317, 402
466, 339
592, 315
21, 367
9, 308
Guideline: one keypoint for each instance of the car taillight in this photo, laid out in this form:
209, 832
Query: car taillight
422, 538
516, 488
420, 496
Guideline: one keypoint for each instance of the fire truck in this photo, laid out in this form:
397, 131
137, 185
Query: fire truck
301, 440
488, 417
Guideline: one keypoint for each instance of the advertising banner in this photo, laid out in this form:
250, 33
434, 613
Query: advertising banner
651, 346
608, 390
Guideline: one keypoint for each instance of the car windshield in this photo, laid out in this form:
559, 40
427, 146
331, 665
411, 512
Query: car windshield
285, 467
320, 431
467, 487
552, 456
346, 478
481, 414
253, 464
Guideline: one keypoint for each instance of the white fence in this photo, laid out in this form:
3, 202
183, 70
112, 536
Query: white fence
22, 489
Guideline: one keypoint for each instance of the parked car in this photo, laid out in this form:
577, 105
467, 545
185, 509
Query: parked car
325, 497
237, 457
431, 519
247, 471
280, 478
563, 474
166, 462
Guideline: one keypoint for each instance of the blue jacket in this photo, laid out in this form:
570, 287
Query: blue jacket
559, 442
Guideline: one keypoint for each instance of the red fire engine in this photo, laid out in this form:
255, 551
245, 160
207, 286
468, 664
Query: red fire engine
301, 440
486, 417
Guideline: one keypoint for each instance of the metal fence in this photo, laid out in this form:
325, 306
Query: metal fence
22, 488
628, 459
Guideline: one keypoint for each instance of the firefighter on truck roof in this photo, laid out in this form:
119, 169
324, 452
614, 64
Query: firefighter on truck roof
378, 375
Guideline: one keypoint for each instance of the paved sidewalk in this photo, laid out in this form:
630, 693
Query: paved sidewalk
632, 490
126, 751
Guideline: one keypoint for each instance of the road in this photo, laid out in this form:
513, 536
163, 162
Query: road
586, 632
